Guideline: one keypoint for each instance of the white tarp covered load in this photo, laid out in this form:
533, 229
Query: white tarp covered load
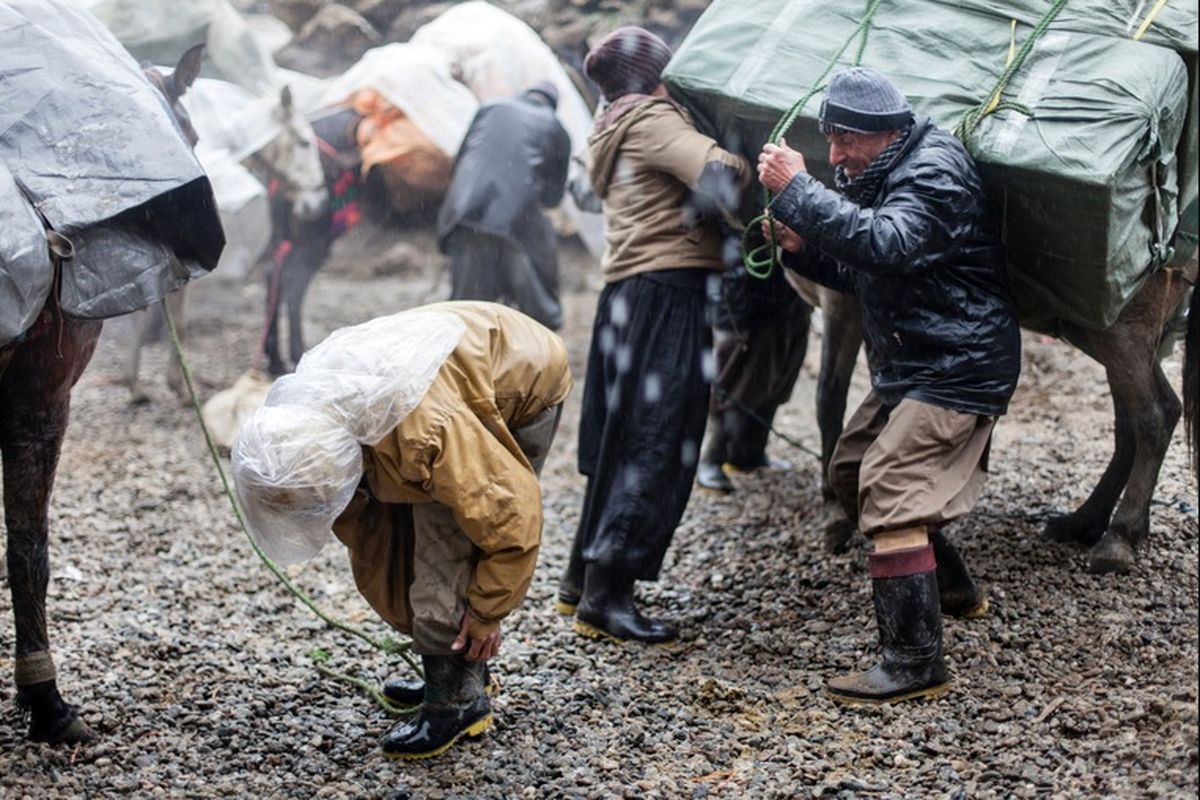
159, 31
94, 147
497, 55
416, 79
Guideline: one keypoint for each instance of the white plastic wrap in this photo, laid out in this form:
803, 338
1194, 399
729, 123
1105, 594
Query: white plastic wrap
295, 470
298, 460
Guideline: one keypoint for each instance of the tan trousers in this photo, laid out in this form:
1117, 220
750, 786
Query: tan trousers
444, 558
915, 464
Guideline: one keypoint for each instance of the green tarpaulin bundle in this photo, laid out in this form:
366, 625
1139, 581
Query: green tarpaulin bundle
1086, 188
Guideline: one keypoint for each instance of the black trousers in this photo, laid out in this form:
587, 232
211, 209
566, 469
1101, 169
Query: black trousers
644, 408
756, 372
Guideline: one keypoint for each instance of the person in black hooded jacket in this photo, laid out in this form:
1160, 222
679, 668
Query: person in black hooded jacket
909, 233
512, 163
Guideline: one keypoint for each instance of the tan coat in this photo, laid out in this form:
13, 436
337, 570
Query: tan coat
456, 448
644, 166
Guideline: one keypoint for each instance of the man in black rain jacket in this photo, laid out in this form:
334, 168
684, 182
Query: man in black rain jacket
513, 162
908, 232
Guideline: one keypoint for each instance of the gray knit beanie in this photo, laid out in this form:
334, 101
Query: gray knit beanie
862, 100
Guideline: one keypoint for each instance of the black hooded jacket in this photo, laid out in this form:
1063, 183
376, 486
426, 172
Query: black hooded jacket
512, 162
929, 272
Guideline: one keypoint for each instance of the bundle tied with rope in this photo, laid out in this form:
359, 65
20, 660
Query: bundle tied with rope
1076, 125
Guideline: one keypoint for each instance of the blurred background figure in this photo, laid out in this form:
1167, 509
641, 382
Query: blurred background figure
512, 163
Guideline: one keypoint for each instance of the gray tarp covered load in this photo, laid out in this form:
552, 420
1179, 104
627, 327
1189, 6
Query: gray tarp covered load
1074, 186
92, 145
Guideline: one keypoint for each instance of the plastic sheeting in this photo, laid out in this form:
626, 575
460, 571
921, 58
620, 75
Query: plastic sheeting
297, 462
1072, 185
160, 31
417, 79
498, 56
94, 147
25, 269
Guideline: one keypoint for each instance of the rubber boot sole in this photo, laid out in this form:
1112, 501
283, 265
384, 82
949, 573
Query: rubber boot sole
592, 632
928, 693
475, 729
565, 608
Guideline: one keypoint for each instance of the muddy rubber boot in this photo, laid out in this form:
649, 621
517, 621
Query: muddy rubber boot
411, 691
607, 610
455, 705
712, 476
910, 634
960, 596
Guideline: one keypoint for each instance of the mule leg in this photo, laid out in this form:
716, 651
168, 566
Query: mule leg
296, 280
176, 303
839, 353
145, 323
275, 364
1087, 523
1146, 405
35, 397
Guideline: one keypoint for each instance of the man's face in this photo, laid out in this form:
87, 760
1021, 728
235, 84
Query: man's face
854, 151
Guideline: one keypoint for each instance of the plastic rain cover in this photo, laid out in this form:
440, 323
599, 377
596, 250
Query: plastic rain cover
297, 462
93, 146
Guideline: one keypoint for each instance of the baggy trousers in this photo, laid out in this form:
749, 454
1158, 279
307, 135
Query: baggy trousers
645, 404
444, 558
488, 267
909, 465
756, 372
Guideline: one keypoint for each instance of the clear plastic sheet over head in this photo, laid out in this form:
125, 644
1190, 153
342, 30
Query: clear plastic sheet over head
351, 389
295, 470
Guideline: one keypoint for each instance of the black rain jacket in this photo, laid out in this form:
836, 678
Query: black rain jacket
928, 269
512, 162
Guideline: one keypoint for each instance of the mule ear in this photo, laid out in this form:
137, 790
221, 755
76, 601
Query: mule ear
285, 99
187, 70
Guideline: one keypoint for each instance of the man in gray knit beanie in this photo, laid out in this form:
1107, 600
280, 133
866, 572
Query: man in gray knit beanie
908, 232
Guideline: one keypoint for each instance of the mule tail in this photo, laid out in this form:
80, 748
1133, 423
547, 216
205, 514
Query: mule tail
1191, 380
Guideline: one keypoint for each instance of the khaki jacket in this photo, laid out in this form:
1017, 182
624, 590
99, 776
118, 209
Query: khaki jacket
456, 448
644, 167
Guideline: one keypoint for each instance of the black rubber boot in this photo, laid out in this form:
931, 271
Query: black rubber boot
411, 691
910, 634
960, 595
607, 610
570, 586
710, 475
455, 705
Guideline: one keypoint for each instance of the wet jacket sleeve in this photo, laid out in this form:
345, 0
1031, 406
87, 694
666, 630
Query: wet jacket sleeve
668, 142
497, 502
816, 266
896, 238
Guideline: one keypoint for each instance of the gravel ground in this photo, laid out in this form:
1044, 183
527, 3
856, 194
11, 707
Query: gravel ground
193, 666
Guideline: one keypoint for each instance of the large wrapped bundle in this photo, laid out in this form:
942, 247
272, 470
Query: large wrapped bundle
1086, 188
92, 146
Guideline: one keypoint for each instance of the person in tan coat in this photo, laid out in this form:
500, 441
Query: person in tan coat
418, 439
664, 186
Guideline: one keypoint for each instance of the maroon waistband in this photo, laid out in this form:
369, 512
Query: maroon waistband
900, 563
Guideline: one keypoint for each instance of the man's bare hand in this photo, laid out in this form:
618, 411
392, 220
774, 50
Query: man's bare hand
478, 649
785, 237
778, 164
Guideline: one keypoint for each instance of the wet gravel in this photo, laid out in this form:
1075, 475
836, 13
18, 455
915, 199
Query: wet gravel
193, 665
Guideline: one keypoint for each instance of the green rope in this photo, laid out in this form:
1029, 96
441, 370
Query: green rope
386, 645
760, 261
321, 659
973, 116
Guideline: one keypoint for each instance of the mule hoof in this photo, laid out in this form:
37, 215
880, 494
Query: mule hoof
1067, 529
836, 538
138, 398
1112, 555
74, 731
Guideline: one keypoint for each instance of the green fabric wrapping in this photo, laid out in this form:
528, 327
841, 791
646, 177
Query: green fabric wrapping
1072, 186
